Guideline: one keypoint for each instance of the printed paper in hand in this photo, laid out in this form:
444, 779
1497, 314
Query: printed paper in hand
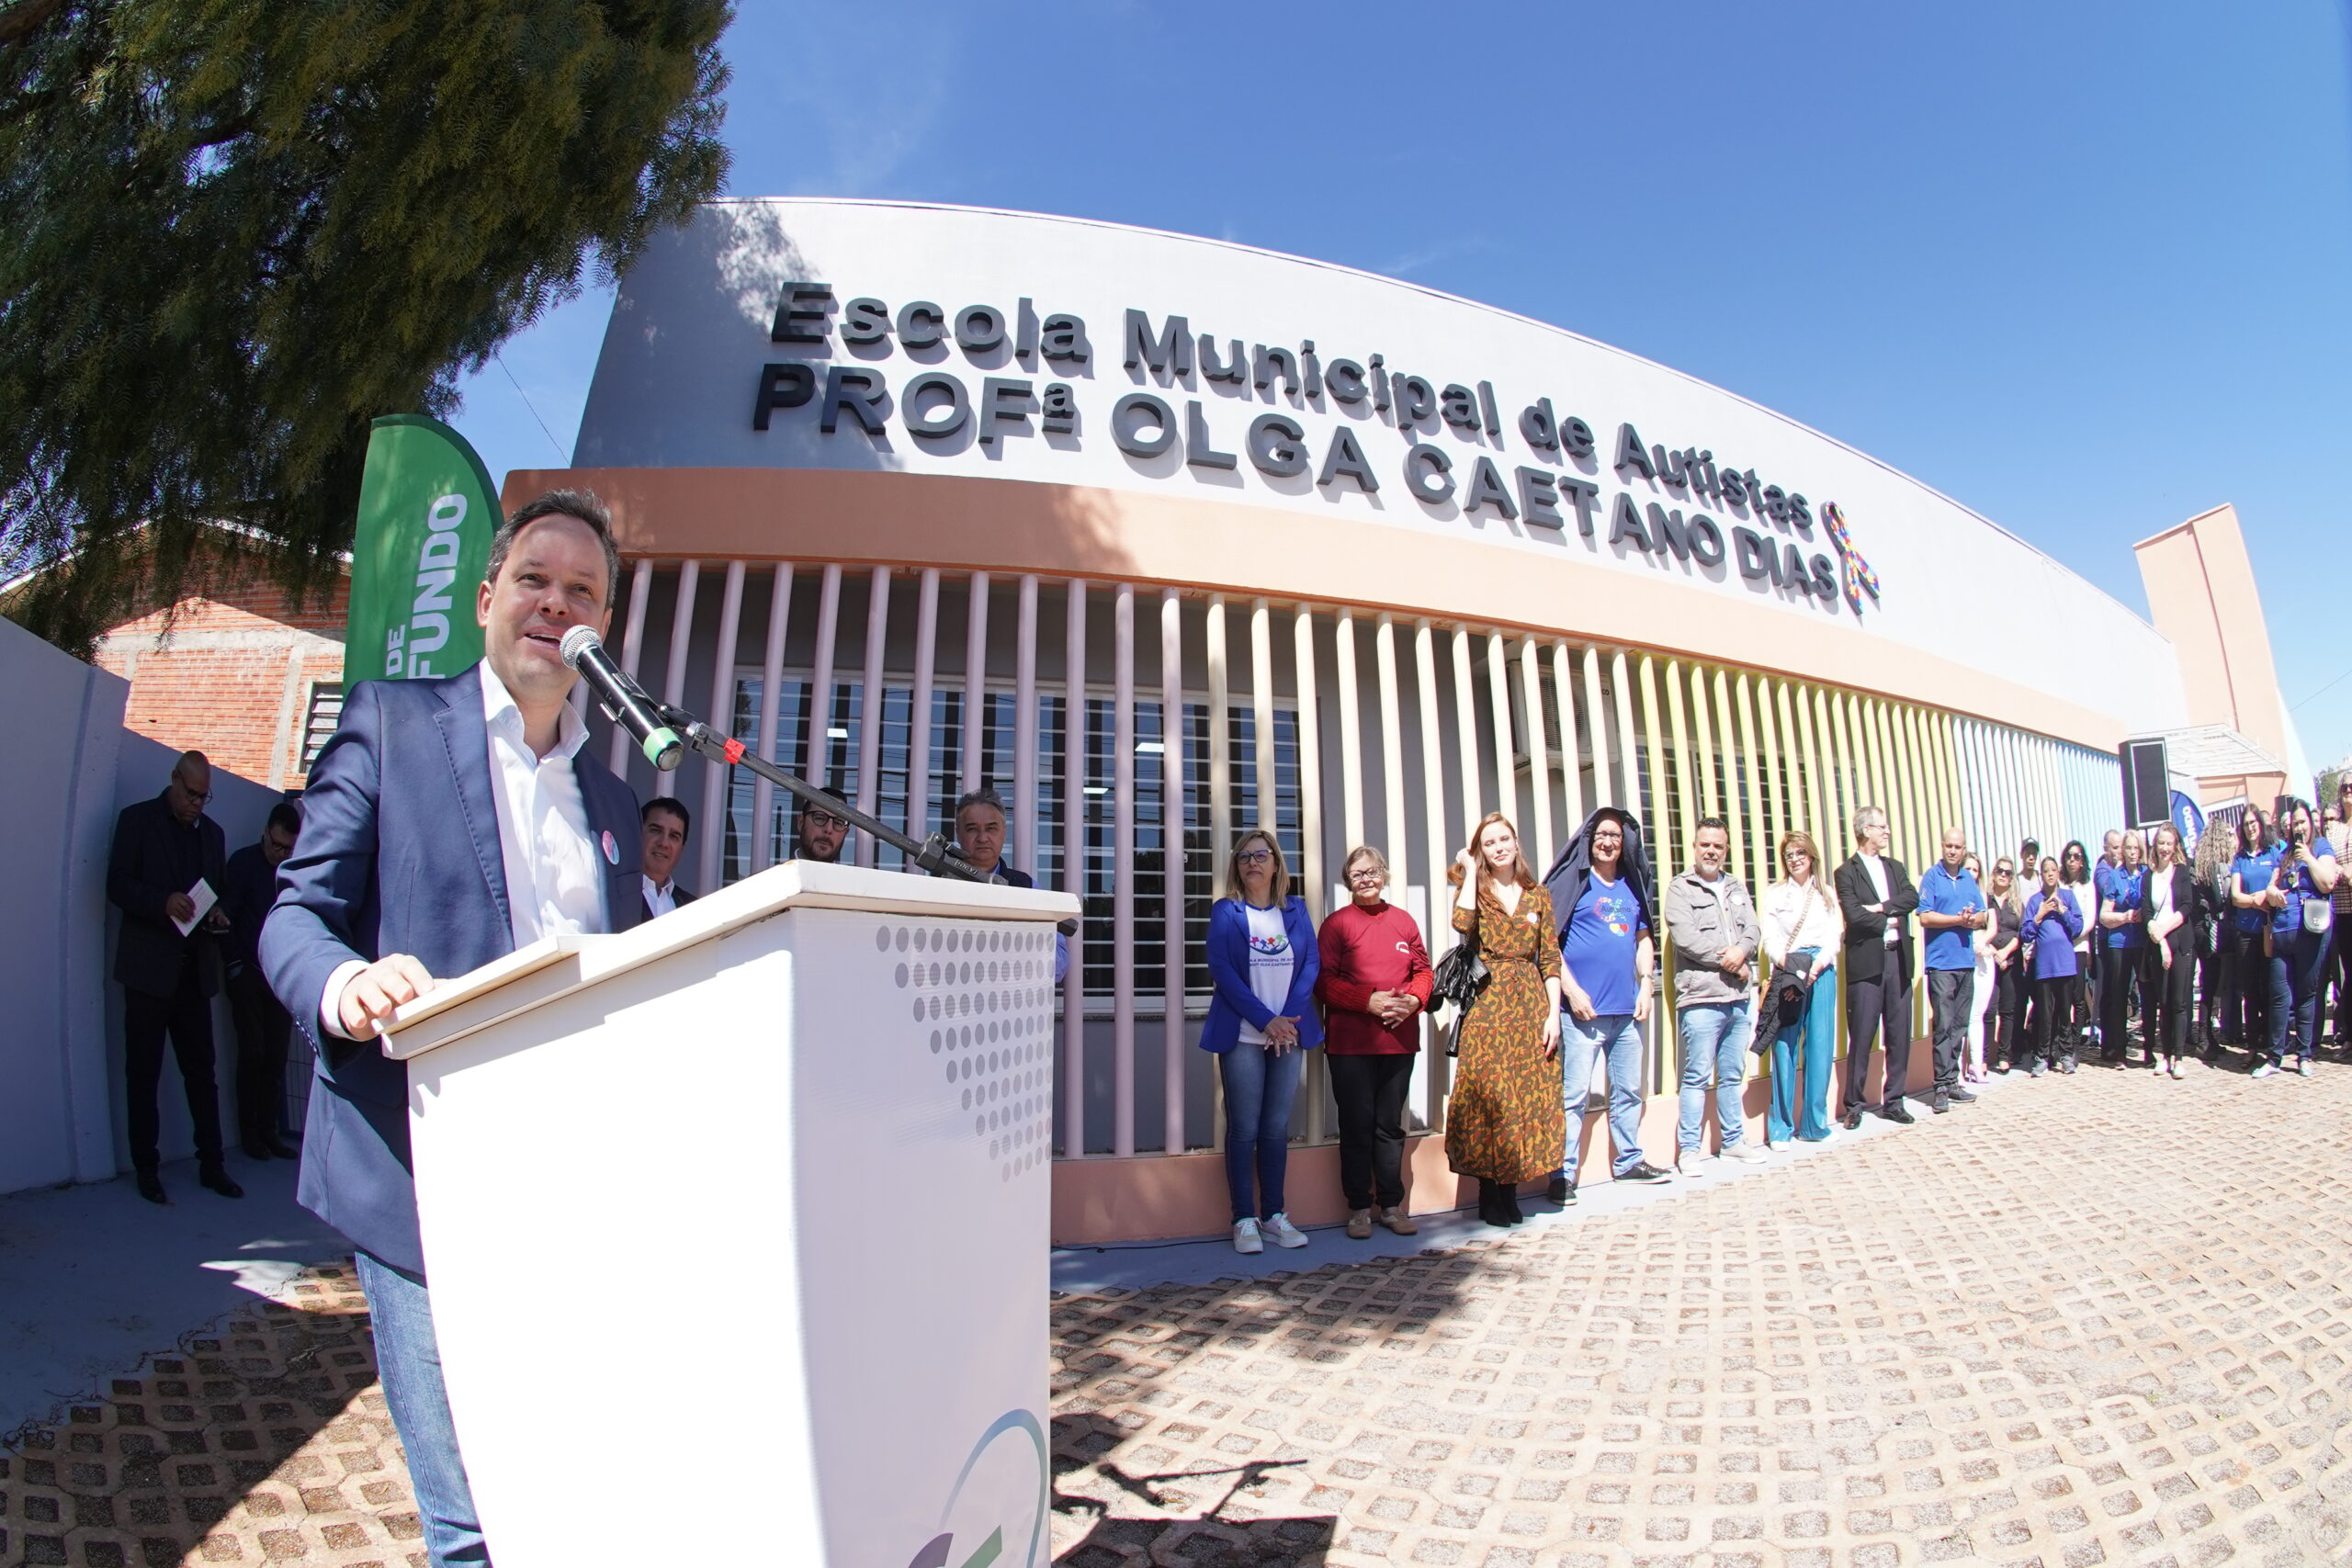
204, 898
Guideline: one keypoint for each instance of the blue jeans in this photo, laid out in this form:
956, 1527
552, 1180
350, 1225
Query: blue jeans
1583, 1042
409, 1358
1715, 1054
2298, 966
1801, 1056
1259, 1090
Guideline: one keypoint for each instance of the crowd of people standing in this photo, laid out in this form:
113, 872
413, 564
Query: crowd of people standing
2032, 967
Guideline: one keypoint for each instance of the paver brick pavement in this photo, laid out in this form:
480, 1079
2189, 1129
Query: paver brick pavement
2092, 1320
2102, 1320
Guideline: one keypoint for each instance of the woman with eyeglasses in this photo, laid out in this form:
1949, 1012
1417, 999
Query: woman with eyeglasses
2172, 970
1262, 962
2301, 920
1373, 983
1506, 1122
1803, 928
2075, 875
2001, 940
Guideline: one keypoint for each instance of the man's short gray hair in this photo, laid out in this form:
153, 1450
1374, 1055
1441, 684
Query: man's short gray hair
984, 795
1866, 816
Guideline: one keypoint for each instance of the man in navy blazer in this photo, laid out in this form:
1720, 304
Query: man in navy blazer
447, 822
162, 848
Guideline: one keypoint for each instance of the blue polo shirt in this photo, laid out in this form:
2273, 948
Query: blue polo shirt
2255, 872
1941, 893
2127, 892
2288, 921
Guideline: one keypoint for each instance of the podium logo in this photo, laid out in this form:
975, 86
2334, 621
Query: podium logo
985, 992
999, 1502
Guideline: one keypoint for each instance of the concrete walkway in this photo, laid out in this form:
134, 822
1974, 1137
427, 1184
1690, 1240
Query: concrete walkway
94, 1279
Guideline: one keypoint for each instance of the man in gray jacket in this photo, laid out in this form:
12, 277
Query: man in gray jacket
1711, 921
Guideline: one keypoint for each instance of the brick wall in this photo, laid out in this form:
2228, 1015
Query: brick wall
231, 676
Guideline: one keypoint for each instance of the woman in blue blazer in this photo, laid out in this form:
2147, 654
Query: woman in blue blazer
1262, 960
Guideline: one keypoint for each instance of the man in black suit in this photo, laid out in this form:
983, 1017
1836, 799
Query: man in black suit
1876, 895
262, 1023
979, 835
162, 848
666, 824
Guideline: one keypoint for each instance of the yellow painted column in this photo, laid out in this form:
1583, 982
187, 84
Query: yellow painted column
1698, 764
1755, 764
1853, 761
1797, 719
1674, 839
1738, 809
1836, 775
1661, 834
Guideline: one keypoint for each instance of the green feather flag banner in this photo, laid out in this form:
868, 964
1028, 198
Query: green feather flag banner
426, 514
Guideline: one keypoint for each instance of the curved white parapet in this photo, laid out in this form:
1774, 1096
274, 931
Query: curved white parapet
904, 338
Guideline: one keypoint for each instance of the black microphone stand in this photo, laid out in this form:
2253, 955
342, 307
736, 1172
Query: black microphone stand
935, 854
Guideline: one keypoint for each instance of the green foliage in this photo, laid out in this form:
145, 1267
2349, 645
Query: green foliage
232, 231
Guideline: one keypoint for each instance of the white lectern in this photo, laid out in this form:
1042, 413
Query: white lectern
737, 1226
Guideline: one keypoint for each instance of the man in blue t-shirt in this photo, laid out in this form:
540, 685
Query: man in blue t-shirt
1951, 911
1605, 962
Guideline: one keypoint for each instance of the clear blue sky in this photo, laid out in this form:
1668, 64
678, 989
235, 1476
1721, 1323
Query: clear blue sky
2087, 269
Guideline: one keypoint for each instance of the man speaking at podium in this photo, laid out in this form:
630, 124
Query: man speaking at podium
448, 822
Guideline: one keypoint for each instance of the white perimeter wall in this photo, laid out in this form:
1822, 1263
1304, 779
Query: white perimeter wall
70, 767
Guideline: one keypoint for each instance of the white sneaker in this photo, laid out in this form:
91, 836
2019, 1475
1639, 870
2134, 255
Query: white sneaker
2176, 1068
1746, 1153
1778, 1145
2264, 1071
1245, 1236
2303, 1065
1690, 1165
1282, 1233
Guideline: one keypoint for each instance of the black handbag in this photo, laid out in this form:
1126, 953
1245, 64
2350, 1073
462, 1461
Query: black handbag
1460, 978
1784, 998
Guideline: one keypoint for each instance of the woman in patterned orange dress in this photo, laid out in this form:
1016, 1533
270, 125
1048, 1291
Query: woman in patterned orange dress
1504, 1123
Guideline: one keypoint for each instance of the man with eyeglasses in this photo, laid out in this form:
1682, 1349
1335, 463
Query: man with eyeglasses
820, 835
168, 963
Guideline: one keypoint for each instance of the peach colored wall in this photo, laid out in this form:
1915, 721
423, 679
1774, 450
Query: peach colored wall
1152, 1197
2202, 594
1069, 530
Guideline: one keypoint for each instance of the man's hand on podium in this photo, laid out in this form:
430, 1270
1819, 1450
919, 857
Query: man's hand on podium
370, 996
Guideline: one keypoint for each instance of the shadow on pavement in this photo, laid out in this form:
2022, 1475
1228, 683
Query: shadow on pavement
1213, 1539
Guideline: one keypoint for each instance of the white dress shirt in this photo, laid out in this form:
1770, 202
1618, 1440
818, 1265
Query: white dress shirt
660, 897
1876, 866
553, 883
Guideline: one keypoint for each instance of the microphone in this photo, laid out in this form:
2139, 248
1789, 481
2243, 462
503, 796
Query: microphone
623, 702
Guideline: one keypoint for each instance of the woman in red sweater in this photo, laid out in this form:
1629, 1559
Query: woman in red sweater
1373, 983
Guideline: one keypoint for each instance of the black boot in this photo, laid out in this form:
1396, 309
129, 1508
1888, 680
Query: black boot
1491, 1203
1507, 1203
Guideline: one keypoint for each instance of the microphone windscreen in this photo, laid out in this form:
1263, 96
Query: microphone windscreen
577, 642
